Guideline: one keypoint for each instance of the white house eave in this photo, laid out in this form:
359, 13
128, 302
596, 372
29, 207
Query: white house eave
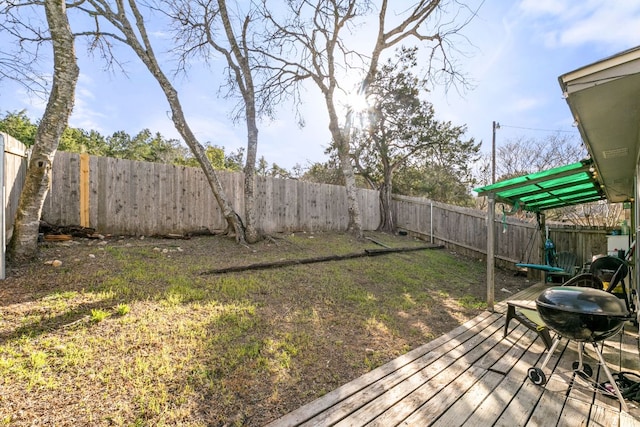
603, 71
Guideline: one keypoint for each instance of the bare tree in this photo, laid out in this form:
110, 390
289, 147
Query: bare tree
313, 43
522, 156
602, 214
23, 244
136, 37
197, 24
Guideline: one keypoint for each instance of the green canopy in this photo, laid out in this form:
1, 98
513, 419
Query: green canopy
554, 188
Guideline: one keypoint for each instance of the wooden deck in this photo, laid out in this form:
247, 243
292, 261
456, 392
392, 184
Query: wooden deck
474, 376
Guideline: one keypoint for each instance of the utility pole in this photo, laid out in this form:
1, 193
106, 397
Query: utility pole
496, 125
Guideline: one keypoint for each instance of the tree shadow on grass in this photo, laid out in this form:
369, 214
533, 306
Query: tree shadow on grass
79, 315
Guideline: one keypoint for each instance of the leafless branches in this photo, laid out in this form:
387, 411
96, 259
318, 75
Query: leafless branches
315, 41
128, 22
522, 156
24, 32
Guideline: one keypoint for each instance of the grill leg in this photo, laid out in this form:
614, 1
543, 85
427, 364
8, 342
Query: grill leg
580, 357
610, 377
556, 341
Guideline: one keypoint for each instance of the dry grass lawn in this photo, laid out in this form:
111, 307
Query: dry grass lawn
131, 331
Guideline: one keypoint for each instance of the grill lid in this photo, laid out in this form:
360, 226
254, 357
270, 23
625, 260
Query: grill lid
575, 299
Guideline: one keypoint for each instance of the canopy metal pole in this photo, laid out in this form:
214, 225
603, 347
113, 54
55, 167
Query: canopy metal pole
636, 232
491, 231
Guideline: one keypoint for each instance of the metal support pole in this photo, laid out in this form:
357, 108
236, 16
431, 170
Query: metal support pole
491, 231
636, 233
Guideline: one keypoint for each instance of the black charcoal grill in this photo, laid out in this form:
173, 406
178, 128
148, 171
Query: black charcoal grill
584, 315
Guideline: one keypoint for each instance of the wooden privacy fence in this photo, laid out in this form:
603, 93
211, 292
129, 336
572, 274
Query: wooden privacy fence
516, 240
117, 196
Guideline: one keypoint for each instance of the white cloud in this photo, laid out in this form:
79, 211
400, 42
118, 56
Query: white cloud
84, 114
542, 7
572, 23
612, 25
217, 132
526, 104
19, 98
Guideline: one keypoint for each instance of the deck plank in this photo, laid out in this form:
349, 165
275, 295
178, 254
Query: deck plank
521, 396
464, 357
384, 393
392, 396
574, 413
462, 399
559, 381
448, 395
455, 415
579, 389
627, 420
600, 416
474, 376
488, 412
308, 411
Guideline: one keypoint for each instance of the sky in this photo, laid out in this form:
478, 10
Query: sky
514, 53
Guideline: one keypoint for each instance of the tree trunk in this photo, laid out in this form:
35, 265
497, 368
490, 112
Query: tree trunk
342, 144
244, 78
146, 54
387, 220
234, 222
251, 231
24, 241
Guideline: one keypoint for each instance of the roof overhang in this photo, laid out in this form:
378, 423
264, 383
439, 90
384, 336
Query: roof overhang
554, 188
604, 98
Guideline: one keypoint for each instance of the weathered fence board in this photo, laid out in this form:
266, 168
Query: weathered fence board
15, 168
517, 240
138, 198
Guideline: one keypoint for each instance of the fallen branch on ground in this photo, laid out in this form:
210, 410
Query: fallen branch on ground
287, 263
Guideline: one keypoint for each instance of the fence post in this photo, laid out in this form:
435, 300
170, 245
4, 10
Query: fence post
84, 190
431, 222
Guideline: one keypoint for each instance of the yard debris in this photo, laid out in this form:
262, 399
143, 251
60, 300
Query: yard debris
377, 242
176, 236
71, 230
187, 235
57, 237
54, 263
287, 263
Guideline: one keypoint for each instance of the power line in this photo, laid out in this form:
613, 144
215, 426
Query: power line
537, 129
